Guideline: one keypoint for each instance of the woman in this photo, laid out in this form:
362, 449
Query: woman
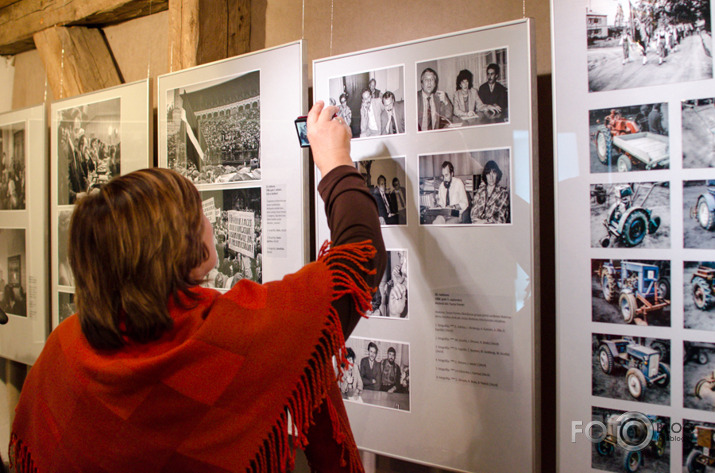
351, 382
155, 373
466, 100
491, 201
344, 111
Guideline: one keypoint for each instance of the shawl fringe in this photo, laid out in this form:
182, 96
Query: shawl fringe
20, 456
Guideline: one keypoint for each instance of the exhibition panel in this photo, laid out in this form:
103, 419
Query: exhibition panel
444, 134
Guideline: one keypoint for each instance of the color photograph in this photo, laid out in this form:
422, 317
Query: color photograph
699, 295
699, 375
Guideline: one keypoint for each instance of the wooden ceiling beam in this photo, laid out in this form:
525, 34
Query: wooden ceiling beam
21, 19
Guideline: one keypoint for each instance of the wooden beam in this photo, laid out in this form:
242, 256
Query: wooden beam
202, 31
77, 60
21, 19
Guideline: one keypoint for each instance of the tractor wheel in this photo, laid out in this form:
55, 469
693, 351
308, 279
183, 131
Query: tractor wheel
703, 357
653, 225
624, 163
635, 227
603, 145
636, 382
608, 285
604, 448
659, 446
704, 215
663, 368
633, 461
699, 385
663, 288
627, 303
662, 350
692, 463
605, 359
702, 293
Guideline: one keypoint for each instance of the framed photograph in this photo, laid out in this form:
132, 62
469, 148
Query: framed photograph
391, 298
629, 138
462, 91
631, 292
377, 374
697, 446
698, 295
372, 103
699, 375
641, 43
24, 246
699, 214
66, 305
631, 368
94, 137
472, 188
385, 178
630, 215
698, 122
229, 127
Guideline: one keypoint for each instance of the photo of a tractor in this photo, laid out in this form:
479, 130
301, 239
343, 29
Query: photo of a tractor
633, 459
642, 364
703, 286
638, 288
628, 221
704, 209
701, 456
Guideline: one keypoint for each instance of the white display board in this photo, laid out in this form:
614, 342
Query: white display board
94, 137
452, 327
228, 127
24, 245
634, 120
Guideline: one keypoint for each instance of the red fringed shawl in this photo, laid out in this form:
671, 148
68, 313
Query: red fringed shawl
212, 395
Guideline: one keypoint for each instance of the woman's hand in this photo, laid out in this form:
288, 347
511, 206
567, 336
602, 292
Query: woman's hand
329, 138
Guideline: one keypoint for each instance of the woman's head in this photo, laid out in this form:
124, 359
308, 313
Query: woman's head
463, 75
132, 245
491, 173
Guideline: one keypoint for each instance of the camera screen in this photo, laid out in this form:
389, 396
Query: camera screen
302, 129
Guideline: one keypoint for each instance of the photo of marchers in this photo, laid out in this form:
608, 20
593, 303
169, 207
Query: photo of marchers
385, 178
12, 166
236, 218
377, 373
88, 148
461, 91
371, 103
629, 138
13, 272
639, 43
468, 188
390, 299
213, 130
698, 122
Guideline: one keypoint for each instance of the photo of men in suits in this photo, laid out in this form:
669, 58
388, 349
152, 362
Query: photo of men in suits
392, 201
392, 117
434, 109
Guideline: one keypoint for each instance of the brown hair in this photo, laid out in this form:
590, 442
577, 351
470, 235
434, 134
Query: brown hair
132, 245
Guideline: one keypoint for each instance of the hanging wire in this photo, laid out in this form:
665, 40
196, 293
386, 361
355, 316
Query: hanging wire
62, 72
45, 99
523, 8
148, 61
332, 10
302, 25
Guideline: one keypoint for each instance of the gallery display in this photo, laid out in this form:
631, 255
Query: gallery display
442, 133
639, 163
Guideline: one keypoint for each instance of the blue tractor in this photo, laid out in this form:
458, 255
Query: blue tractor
642, 364
704, 210
628, 220
633, 459
639, 288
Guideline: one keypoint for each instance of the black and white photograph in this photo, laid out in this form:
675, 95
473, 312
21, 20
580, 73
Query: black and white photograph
385, 178
633, 292
12, 166
462, 91
640, 43
213, 130
64, 271
236, 218
466, 188
630, 215
377, 373
698, 439
699, 214
609, 455
698, 123
13, 272
88, 148
699, 295
66, 305
631, 368
391, 298
699, 375
372, 103
629, 138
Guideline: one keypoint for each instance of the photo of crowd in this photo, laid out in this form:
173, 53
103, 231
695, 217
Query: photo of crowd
13, 272
214, 130
390, 299
377, 373
88, 148
461, 91
467, 188
371, 103
12, 167
384, 178
236, 218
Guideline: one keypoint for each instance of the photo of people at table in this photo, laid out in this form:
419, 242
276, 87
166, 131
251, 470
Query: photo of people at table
377, 373
468, 90
385, 177
372, 103
471, 187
